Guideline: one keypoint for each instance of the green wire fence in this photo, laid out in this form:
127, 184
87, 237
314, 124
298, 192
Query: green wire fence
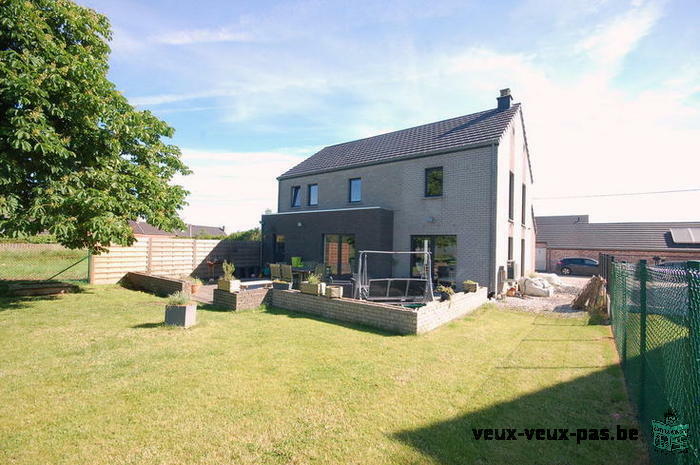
656, 325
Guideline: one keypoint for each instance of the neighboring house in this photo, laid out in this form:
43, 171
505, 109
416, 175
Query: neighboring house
143, 229
573, 236
462, 184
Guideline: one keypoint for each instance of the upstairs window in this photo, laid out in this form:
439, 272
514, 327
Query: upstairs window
524, 207
296, 196
433, 182
313, 194
511, 196
355, 188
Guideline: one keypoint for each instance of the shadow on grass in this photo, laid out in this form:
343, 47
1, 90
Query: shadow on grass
594, 401
8, 301
150, 325
307, 316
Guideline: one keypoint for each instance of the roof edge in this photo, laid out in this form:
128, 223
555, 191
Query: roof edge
487, 143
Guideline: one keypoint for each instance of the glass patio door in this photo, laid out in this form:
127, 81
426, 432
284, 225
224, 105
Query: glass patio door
339, 253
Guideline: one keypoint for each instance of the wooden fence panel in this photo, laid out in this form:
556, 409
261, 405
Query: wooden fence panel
174, 258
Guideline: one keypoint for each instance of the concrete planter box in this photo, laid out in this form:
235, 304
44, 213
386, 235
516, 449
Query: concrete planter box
471, 287
181, 315
312, 289
232, 285
334, 292
281, 286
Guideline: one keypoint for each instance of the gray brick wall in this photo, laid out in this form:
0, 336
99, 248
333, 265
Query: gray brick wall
464, 209
242, 300
382, 316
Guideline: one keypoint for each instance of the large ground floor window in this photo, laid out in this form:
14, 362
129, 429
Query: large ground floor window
339, 253
443, 250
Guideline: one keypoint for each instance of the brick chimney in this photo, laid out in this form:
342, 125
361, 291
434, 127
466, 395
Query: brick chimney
504, 100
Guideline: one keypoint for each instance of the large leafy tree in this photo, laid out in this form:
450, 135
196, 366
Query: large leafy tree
76, 158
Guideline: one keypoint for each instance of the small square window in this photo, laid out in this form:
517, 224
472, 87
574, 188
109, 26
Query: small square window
313, 194
355, 190
433, 182
296, 196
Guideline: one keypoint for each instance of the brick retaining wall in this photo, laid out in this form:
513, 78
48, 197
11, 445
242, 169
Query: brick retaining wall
387, 317
242, 300
158, 285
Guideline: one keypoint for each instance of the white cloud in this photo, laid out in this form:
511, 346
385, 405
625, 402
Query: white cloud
233, 188
587, 134
610, 42
198, 36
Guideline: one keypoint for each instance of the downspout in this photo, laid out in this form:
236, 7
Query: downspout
494, 218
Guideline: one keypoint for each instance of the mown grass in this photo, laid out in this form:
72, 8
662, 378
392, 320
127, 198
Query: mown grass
95, 378
40, 264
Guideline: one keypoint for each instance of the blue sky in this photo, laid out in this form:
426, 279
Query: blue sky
610, 89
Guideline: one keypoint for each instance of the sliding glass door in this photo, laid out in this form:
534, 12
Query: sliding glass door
443, 250
339, 253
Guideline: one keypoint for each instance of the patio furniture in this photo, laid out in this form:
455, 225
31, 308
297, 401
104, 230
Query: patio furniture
275, 272
300, 274
286, 273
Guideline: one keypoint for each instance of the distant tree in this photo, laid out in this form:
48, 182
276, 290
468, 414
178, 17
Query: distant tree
76, 159
248, 235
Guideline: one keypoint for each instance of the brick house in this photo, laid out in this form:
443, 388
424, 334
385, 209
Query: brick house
462, 184
574, 236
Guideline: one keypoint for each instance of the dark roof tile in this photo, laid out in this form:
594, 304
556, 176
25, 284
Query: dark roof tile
482, 127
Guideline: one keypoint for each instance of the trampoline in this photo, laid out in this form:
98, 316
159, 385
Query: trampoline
397, 290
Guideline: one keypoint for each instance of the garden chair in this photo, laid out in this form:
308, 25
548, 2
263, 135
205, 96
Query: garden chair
275, 272
320, 271
286, 272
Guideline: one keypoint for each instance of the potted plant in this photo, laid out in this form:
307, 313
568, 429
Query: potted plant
446, 292
281, 285
180, 310
195, 284
313, 285
228, 283
334, 292
470, 286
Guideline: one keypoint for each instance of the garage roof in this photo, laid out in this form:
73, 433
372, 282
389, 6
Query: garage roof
619, 236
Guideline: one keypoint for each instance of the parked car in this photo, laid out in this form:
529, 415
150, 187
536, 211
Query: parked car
579, 266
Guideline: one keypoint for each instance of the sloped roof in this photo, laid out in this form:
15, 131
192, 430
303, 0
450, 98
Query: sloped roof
141, 227
191, 230
614, 236
450, 134
194, 230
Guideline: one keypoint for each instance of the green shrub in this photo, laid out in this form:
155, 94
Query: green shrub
229, 269
314, 279
446, 289
179, 298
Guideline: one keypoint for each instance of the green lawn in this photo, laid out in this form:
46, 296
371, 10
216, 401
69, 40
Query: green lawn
94, 378
38, 264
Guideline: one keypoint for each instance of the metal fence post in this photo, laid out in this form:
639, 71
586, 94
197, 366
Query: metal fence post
642, 335
693, 384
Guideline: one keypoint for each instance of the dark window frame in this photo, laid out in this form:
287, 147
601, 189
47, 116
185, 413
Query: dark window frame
511, 196
296, 204
350, 200
522, 256
524, 205
308, 195
428, 171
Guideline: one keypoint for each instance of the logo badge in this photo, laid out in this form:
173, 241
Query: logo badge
670, 435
